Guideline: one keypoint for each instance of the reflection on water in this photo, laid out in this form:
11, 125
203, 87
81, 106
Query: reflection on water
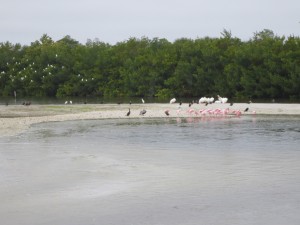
149, 171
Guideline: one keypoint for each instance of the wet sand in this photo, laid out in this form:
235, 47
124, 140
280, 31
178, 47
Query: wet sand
17, 118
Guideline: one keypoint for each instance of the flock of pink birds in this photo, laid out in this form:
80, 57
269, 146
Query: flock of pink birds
218, 112
208, 112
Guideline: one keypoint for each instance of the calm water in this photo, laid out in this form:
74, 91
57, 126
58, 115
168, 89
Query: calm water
153, 172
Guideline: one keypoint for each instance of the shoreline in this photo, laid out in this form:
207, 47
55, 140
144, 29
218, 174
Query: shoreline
15, 119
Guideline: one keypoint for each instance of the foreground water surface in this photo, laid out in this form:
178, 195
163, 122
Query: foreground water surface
153, 172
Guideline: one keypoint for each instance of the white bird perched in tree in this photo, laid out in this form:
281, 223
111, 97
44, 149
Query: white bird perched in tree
173, 100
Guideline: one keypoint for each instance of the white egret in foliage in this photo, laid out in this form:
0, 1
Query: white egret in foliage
143, 101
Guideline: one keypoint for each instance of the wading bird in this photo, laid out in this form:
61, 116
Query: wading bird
222, 100
128, 113
143, 112
167, 112
173, 100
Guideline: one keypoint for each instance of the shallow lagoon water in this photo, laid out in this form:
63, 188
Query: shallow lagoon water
153, 171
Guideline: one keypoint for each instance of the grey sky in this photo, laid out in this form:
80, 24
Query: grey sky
111, 21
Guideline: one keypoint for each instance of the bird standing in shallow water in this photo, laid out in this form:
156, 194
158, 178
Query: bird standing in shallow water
143, 112
167, 112
128, 113
246, 109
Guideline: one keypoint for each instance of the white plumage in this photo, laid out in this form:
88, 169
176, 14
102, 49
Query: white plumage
173, 100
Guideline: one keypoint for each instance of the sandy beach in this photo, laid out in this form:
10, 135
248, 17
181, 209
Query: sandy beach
17, 118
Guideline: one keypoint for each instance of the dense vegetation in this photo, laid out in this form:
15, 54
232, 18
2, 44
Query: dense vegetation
266, 66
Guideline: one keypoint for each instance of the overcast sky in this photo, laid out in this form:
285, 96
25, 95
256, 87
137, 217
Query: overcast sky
111, 21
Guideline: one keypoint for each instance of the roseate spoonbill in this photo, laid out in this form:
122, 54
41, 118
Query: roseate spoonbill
143, 112
173, 100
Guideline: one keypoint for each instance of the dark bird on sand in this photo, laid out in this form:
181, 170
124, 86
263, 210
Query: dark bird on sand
127, 114
246, 110
143, 112
167, 112
26, 103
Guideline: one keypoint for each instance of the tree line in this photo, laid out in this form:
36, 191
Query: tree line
265, 66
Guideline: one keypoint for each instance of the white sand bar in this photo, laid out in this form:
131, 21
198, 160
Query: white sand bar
16, 118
